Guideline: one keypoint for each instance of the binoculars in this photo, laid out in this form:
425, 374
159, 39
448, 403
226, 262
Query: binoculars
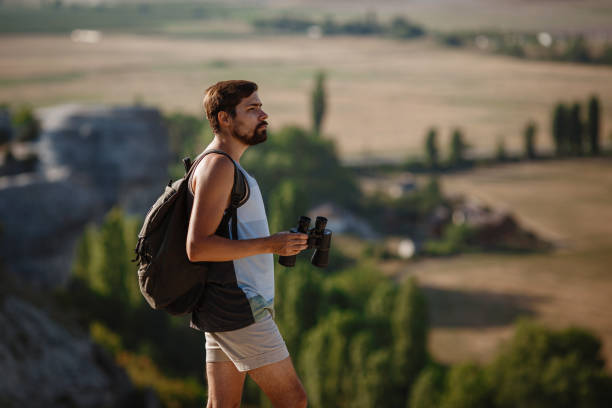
319, 239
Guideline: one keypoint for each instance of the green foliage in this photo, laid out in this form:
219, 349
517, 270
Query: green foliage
409, 326
560, 129
545, 368
186, 134
150, 345
456, 239
284, 203
431, 149
529, 136
26, 124
401, 27
593, 124
429, 388
467, 387
299, 301
310, 163
457, 149
577, 50
575, 129
318, 99
368, 25
323, 360
500, 153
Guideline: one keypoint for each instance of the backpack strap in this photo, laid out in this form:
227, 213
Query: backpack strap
240, 189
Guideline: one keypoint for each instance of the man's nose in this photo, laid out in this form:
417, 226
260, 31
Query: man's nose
263, 115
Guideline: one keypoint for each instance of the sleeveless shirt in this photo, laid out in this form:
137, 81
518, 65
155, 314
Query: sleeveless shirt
239, 292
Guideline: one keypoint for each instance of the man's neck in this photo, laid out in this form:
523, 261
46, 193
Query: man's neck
229, 145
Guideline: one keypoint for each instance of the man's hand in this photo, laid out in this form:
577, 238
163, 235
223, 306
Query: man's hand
288, 243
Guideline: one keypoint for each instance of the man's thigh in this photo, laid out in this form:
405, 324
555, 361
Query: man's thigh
225, 384
280, 383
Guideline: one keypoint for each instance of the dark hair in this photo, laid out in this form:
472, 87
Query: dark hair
223, 97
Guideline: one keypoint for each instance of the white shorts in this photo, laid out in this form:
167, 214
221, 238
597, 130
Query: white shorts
251, 347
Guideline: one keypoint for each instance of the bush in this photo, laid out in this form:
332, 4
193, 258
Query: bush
26, 124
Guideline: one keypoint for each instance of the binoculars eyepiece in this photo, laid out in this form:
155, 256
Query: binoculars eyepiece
319, 239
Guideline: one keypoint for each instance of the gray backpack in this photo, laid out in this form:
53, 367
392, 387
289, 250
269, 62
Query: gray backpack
168, 280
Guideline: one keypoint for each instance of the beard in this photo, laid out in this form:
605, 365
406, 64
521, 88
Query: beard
258, 135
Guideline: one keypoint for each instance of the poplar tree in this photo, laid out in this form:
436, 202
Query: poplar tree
319, 103
593, 124
529, 138
409, 326
431, 148
457, 149
560, 129
575, 130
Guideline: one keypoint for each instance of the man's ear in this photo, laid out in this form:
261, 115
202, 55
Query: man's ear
224, 118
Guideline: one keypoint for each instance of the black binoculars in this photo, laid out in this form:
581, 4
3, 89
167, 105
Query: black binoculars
319, 238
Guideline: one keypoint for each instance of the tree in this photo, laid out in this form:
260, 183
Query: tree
560, 129
429, 388
467, 387
300, 304
457, 149
319, 104
324, 360
431, 148
500, 153
593, 124
409, 326
546, 368
529, 139
26, 123
286, 204
575, 129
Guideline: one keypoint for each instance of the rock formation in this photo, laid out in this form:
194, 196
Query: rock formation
44, 365
91, 158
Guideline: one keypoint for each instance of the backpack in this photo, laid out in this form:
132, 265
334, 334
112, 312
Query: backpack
168, 280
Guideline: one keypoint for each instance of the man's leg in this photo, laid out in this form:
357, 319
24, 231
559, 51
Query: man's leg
225, 385
281, 384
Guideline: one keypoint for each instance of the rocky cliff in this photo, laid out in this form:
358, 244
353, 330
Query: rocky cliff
45, 365
91, 158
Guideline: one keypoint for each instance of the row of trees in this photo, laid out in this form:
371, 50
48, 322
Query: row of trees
369, 25
574, 136
541, 46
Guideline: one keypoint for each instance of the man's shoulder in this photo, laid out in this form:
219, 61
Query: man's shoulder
215, 170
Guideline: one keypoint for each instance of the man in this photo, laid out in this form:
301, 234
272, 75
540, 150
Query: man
236, 311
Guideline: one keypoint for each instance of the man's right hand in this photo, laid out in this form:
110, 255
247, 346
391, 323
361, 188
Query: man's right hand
288, 243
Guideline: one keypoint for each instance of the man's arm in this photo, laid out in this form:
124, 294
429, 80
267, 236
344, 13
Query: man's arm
213, 186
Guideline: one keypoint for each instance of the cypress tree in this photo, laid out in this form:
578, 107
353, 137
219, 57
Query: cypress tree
560, 129
83, 258
409, 326
457, 149
431, 148
575, 130
318, 103
593, 124
115, 266
500, 154
529, 138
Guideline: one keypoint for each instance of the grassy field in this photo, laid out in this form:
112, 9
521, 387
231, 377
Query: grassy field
383, 94
474, 299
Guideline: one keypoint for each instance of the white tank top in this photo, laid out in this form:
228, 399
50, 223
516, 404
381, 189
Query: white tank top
255, 274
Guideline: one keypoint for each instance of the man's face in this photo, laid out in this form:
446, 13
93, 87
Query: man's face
249, 125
